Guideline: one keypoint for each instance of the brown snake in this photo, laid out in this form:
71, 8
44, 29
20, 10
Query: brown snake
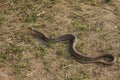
72, 39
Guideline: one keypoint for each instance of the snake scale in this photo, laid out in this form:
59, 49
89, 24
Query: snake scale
106, 58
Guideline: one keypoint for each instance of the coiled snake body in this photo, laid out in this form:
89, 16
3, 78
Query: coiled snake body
72, 39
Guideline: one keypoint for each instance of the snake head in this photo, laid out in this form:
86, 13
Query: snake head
32, 31
37, 34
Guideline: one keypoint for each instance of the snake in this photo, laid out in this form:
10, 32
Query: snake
107, 59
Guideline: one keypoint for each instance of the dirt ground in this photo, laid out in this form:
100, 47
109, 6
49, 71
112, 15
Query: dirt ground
95, 23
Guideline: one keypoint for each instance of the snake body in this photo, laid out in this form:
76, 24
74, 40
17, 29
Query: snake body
72, 39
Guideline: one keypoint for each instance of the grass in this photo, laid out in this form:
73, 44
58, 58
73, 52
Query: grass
64, 65
31, 18
8, 53
79, 27
82, 76
4, 56
21, 69
1, 18
68, 16
41, 52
